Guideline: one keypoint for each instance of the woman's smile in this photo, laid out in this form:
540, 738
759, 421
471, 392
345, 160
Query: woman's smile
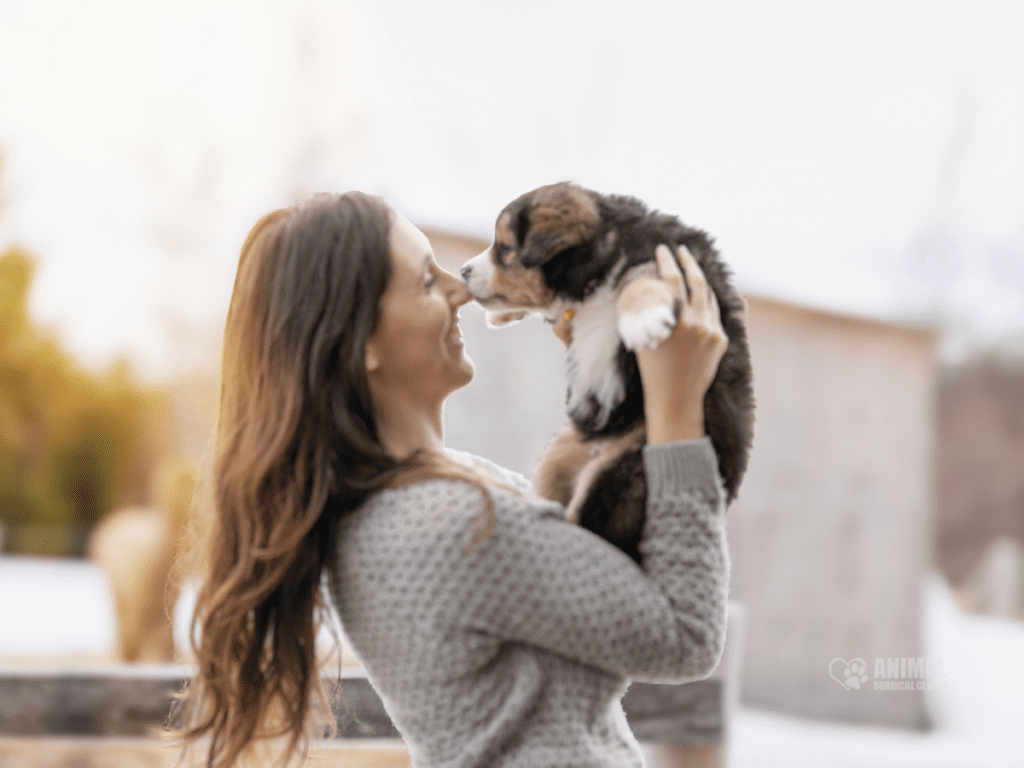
418, 346
455, 334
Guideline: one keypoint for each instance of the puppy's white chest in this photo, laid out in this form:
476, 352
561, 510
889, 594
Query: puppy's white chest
591, 363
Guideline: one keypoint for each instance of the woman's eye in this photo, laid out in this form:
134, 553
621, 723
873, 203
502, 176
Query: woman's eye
431, 282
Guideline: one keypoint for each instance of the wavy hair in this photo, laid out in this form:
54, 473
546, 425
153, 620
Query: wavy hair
296, 446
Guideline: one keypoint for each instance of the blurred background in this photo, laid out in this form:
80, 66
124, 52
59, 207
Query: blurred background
859, 164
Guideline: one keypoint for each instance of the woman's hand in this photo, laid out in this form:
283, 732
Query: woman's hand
677, 373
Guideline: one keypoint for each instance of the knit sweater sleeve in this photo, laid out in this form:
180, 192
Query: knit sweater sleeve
539, 580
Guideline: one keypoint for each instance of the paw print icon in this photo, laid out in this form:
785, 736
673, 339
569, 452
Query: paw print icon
853, 673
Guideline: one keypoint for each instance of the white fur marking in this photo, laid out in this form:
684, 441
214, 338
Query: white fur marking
646, 328
480, 275
590, 364
504, 317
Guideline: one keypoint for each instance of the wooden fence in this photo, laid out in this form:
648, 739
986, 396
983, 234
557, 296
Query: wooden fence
113, 716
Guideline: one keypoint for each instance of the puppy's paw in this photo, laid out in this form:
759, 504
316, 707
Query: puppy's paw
506, 317
646, 327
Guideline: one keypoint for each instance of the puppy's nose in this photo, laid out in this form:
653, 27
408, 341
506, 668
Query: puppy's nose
465, 272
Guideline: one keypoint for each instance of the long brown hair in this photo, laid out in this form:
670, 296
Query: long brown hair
296, 446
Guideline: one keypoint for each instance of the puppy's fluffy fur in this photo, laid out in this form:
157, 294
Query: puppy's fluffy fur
562, 248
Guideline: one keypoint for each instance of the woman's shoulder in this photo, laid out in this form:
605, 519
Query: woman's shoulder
452, 505
489, 469
449, 495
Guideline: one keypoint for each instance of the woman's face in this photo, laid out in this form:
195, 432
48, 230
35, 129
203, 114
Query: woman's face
417, 347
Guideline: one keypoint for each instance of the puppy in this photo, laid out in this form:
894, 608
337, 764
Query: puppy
562, 250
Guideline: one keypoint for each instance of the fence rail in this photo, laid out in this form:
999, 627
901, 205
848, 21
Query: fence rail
135, 701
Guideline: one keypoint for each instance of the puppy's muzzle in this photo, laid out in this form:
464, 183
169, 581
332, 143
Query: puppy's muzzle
477, 274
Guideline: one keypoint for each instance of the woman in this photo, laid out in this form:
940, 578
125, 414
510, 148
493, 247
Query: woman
496, 633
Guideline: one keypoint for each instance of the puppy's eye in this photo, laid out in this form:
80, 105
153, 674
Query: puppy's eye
522, 226
501, 254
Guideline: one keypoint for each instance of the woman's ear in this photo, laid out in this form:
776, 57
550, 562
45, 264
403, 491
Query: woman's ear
372, 358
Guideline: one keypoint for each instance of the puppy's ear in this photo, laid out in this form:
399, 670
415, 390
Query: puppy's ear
540, 248
556, 218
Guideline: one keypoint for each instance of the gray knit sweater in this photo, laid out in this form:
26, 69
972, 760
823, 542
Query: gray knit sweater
517, 652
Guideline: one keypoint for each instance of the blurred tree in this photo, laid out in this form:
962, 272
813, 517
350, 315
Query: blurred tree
979, 458
73, 445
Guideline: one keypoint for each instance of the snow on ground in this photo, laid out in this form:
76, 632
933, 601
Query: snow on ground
54, 606
979, 715
63, 608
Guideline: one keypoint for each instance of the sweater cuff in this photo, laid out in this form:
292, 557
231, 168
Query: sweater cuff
687, 466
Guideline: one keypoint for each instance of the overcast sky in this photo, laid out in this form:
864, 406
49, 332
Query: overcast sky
862, 156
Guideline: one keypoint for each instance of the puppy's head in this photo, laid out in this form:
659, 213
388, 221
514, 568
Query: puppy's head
536, 238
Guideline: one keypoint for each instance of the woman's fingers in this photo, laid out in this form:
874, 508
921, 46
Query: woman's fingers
677, 373
702, 296
669, 270
695, 279
714, 315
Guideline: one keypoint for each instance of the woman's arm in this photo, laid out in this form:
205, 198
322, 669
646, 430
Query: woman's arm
539, 580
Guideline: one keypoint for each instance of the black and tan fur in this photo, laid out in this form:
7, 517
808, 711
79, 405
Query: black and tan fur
562, 248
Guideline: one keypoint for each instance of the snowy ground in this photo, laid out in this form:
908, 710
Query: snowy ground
54, 607
62, 609
979, 715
